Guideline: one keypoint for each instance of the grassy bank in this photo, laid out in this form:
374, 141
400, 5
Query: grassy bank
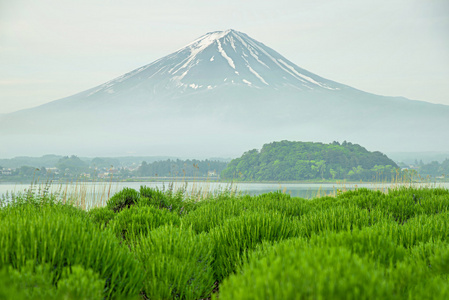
152, 244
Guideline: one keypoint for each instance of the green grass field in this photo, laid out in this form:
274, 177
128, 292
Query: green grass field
151, 244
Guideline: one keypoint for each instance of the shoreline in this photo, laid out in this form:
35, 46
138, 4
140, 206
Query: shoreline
208, 180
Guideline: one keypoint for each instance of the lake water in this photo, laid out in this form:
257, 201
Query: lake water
97, 193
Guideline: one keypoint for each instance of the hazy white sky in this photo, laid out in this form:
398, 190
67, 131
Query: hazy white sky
51, 49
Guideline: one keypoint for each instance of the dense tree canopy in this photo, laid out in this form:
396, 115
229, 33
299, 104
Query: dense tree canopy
288, 161
180, 168
72, 165
434, 169
99, 162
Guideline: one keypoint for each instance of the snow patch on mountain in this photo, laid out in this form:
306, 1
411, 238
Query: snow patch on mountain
231, 39
302, 75
197, 47
223, 53
257, 75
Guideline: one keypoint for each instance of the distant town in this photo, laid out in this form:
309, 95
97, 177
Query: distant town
101, 169
63, 168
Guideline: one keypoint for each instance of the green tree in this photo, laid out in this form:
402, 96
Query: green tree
432, 169
72, 165
287, 160
26, 171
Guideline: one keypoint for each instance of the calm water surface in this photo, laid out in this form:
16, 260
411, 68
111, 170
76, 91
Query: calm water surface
101, 191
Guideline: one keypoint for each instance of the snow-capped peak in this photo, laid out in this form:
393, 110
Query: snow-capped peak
207, 39
220, 58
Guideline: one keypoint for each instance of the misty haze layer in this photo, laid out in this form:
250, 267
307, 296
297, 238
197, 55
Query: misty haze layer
223, 94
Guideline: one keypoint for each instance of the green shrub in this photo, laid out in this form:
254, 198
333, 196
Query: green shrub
433, 288
39, 202
323, 203
417, 230
433, 201
361, 193
402, 206
339, 218
422, 229
78, 283
295, 270
176, 263
280, 202
101, 216
403, 203
36, 282
240, 234
174, 202
411, 277
49, 236
359, 245
136, 221
123, 199
434, 255
213, 213
29, 282
369, 242
154, 197
29, 197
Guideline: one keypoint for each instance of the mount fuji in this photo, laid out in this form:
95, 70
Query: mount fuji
222, 94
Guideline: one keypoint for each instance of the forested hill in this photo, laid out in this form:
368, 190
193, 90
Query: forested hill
289, 161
